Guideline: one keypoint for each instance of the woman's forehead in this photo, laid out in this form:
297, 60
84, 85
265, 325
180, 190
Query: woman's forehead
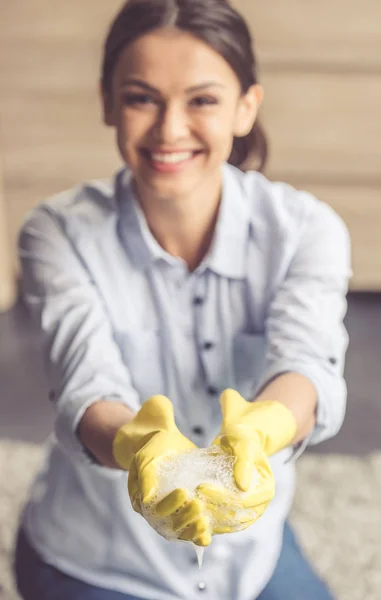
172, 56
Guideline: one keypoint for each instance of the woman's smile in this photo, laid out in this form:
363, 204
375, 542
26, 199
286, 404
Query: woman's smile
170, 161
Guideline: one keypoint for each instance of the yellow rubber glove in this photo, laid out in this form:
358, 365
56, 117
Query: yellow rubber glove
138, 447
251, 431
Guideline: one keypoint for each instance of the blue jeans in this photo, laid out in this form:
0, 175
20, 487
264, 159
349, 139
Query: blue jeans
293, 578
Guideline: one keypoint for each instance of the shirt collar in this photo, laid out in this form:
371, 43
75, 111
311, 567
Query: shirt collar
228, 251
227, 254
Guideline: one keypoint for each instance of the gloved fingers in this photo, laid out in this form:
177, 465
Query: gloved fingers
161, 447
238, 523
142, 478
203, 540
217, 497
219, 512
226, 519
196, 530
243, 473
241, 442
232, 405
252, 471
238, 520
245, 522
221, 502
221, 498
171, 503
157, 410
134, 488
148, 482
261, 495
260, 509
222, 529
191, 511
247, 516
217, 440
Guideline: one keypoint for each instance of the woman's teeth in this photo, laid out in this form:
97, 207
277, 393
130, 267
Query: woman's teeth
171, 158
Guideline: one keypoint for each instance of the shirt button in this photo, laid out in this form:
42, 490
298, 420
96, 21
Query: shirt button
198, 300
333, 360
198, 430
208, 345
212, 391
201, 586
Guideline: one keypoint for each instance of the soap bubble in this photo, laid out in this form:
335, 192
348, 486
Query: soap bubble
187, 471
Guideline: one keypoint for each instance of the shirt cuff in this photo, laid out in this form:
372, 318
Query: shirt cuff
67, 422
331, 399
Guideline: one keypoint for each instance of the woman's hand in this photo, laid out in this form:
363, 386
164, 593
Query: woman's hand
151, 437
251, 431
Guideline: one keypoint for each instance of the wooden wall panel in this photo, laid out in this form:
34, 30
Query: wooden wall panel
53, 135
323, 126
320, 66
46, 20
335, 34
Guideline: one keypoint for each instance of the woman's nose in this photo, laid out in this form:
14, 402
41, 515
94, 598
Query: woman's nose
172, 124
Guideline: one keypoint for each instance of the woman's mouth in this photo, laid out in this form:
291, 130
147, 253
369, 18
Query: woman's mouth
170, 162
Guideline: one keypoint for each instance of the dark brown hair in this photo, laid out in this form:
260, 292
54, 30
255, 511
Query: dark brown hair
216, 23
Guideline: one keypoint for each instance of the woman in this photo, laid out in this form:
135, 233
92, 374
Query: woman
185, 281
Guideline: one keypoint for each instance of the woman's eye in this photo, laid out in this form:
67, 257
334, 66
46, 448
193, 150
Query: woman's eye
204, 101
138, 99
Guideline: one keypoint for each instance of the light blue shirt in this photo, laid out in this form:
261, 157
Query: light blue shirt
122, 319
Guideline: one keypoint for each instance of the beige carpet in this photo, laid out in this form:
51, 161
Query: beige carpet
337, 514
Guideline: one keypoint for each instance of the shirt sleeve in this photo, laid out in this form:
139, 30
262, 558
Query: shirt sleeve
304, 324
83, 362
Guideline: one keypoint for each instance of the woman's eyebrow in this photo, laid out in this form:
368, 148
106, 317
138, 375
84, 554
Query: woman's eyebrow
150, 88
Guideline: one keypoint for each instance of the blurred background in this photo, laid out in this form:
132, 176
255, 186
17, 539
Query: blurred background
320, 65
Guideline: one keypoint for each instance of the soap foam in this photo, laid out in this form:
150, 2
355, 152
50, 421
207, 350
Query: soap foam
189, 470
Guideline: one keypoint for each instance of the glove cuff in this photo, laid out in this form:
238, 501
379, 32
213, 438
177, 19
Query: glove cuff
274, 423
123, 448
155, 415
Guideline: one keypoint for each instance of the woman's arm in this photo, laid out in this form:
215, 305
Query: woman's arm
91, 385
99, 426
299, 395
306, 337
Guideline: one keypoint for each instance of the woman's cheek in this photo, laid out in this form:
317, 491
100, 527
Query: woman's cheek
219, 131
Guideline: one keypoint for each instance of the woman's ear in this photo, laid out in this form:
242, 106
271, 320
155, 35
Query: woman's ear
108, 107
247, 110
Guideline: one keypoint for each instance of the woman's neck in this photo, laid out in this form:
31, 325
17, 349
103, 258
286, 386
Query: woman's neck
184, 227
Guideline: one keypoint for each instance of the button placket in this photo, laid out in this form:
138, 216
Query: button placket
206, 330
180, 298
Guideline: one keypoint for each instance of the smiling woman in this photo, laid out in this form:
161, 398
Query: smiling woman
180, 114
137, 19
182, 277
177, 115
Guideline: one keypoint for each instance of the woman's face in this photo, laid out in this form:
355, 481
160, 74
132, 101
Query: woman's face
176, 105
